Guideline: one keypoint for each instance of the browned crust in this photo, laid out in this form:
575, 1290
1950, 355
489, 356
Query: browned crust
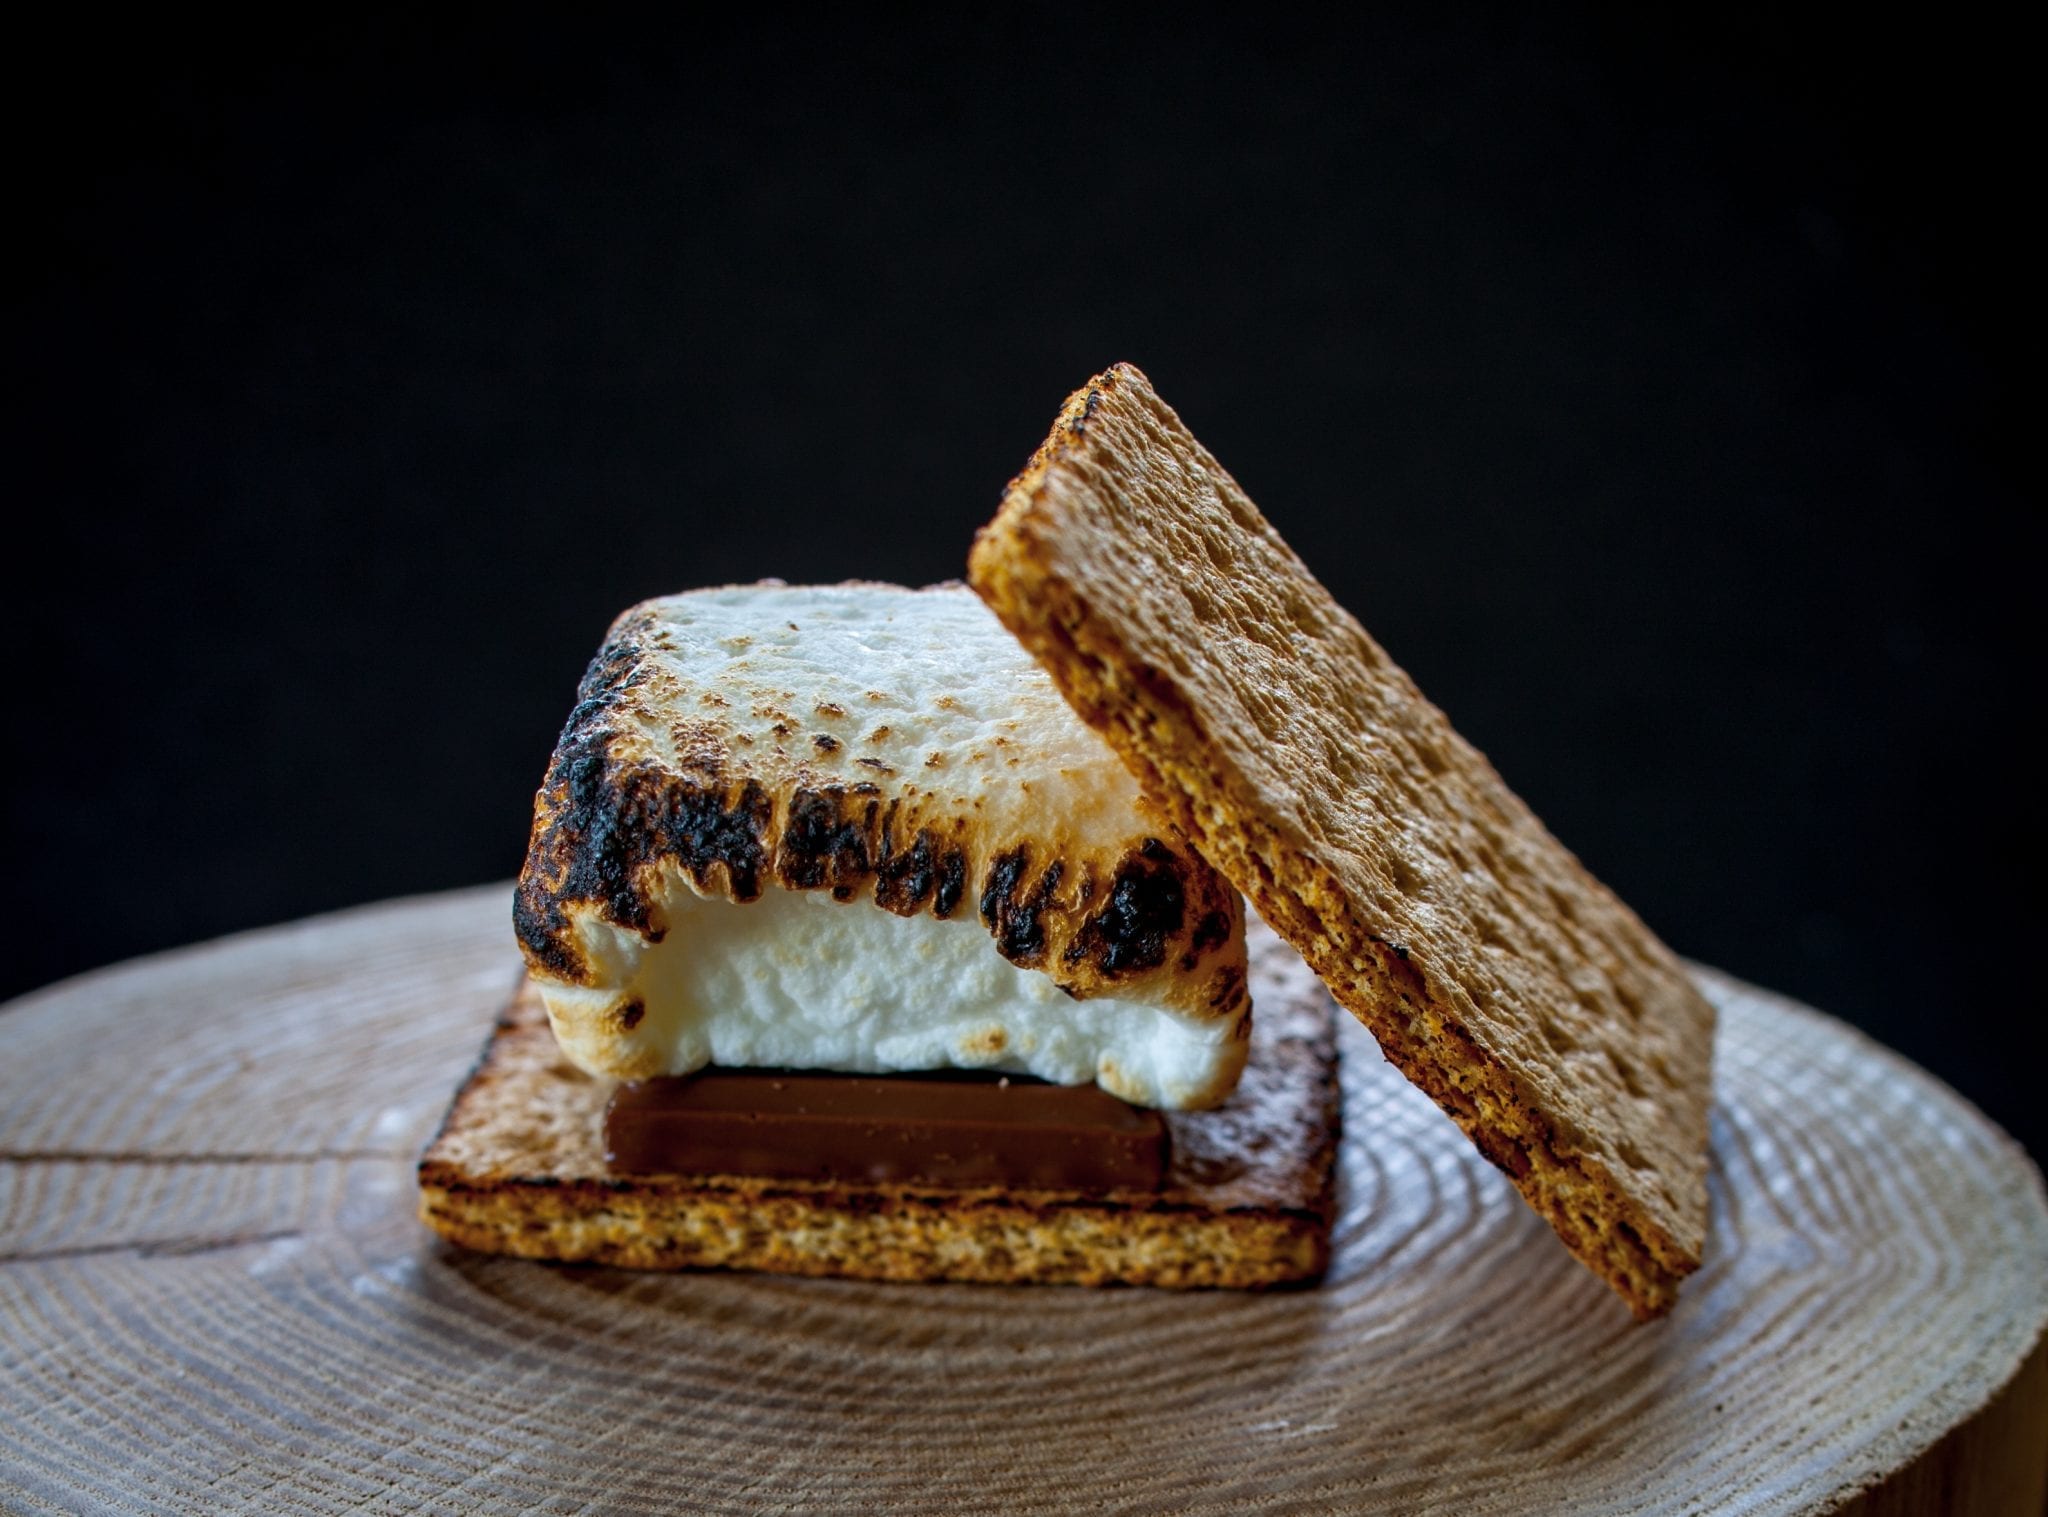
1186, 770
984, 1241
517, 1169
610, 814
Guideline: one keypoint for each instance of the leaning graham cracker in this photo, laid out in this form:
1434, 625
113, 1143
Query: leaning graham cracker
519, 1168
1497, 974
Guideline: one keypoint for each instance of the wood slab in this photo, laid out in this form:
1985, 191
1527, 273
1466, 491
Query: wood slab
214, 1296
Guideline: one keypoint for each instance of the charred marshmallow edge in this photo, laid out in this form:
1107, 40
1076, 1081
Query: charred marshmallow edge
797, 980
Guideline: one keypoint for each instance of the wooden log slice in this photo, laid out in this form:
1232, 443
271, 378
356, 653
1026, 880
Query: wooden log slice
214, 1296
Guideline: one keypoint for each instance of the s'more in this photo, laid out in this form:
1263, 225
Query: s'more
872, 934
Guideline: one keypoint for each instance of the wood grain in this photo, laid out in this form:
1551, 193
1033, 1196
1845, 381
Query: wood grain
213, 1296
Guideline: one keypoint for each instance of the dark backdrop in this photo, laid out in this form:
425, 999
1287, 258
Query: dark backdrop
1652, 391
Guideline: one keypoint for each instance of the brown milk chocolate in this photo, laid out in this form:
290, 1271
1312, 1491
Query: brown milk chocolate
958, 1130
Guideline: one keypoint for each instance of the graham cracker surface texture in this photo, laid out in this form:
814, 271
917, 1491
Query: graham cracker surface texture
1495, 971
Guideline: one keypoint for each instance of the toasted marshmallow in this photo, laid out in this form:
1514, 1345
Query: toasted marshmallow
797, 980
750, 771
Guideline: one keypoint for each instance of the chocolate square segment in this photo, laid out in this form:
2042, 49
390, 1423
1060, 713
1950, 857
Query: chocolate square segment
962, 1128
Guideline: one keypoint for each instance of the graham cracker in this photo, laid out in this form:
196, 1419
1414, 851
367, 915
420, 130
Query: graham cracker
519, 1168
1495, 971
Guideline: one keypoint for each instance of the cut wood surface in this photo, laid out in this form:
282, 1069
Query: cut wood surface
214, 1297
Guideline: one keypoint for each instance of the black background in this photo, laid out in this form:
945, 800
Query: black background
1652, 390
